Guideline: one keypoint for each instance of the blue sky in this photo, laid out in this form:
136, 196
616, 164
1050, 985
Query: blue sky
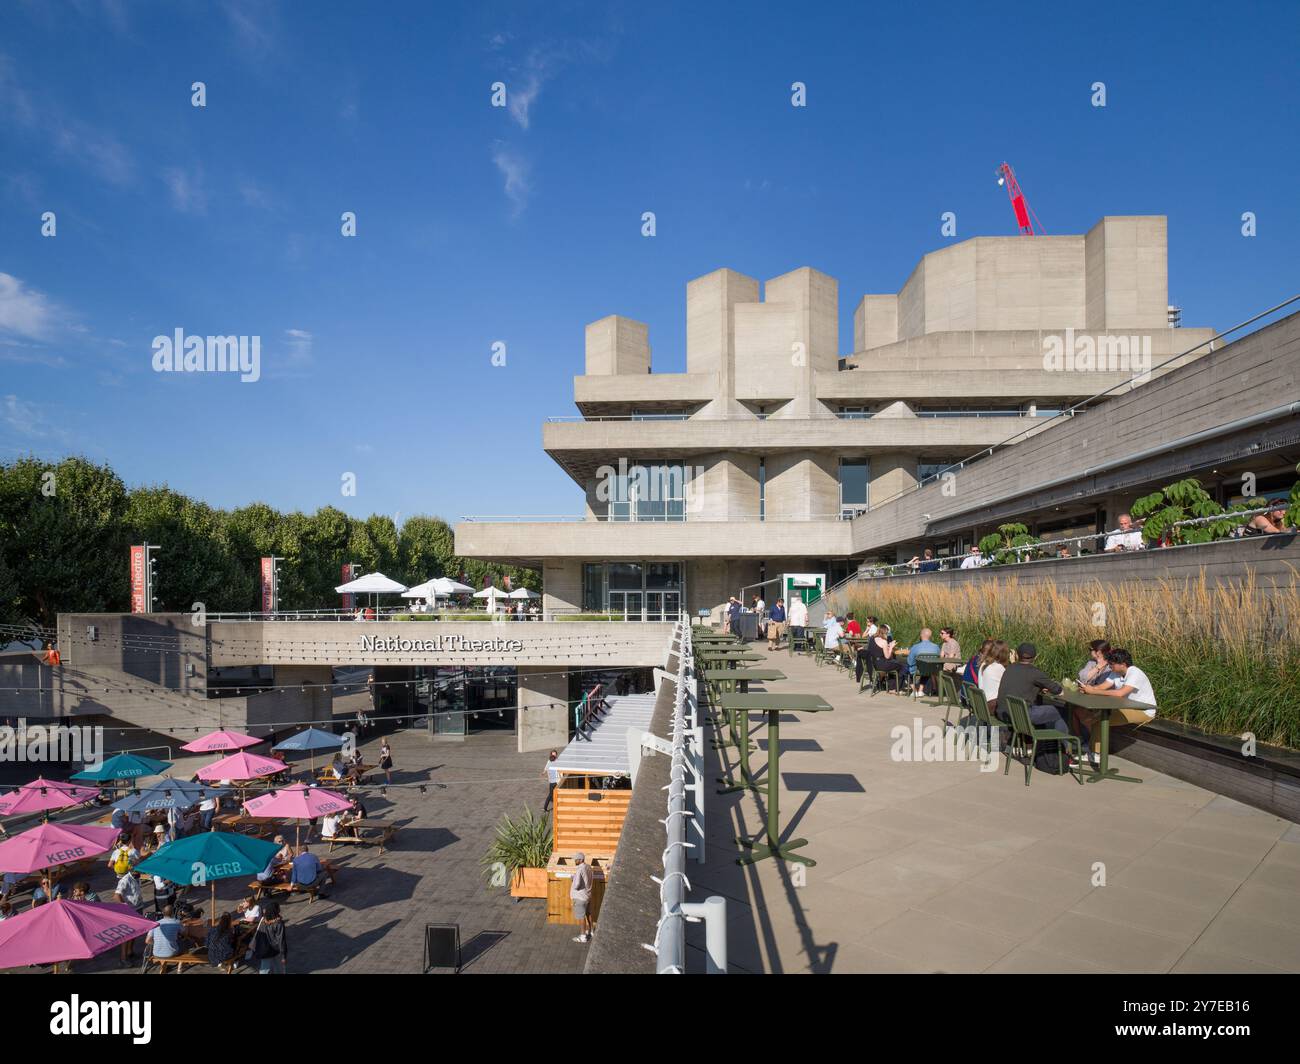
520, 225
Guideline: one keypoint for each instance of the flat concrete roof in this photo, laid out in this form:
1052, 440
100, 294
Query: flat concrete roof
605, 753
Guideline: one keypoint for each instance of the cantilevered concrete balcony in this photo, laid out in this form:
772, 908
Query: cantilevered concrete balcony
582, 447
525, 542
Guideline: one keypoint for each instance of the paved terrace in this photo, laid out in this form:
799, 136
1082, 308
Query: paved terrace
373, 921
939, 867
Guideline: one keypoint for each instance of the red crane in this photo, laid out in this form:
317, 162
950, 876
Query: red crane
1025, 216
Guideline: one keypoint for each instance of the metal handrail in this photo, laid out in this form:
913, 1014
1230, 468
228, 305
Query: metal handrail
954, 561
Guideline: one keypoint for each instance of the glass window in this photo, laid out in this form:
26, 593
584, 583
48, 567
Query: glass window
625, 576
663, 575
593, 587
930, 467
853, 485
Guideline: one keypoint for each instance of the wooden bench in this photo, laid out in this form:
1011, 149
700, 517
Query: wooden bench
386, 830
181, 961
325, 777
285, 887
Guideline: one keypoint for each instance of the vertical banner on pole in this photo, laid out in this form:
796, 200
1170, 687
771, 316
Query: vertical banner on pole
139, 599
347, 578
268, 585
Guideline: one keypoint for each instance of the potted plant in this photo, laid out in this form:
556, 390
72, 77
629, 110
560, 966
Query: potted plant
519, 854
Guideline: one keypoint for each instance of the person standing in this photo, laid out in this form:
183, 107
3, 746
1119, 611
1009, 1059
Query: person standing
775, 621
129, 892
386, 760
553, 777
798, 619
580, 896
270, 945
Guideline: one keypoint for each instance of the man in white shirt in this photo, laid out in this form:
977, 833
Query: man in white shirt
798, 613
1127, 537
1126, 681
974, 559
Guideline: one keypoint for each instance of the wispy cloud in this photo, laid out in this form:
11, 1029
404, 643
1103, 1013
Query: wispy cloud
186, 189
30, 420
516, 170
86, 145
254, 195
26, 312
252, 33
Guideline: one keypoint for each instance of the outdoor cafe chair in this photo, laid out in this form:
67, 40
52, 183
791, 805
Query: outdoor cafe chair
798, 641
1027, 731
872, 678
948, 697
984, 718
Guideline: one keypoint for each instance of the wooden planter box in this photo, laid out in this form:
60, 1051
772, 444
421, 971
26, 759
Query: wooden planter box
528, 883
559, 875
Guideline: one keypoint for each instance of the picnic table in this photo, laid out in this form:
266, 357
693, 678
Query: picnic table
1105, 705
365, 832
773, 705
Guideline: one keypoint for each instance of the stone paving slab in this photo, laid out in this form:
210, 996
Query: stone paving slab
373, 921
928, 866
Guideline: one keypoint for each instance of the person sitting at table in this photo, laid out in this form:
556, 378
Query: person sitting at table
307, 872
880, 649
48, 891
1126, 681
329, 826
1096, 669
164, 940
336, 768
971, 672
6, 909
284, 854
1027, 681
82, 892
1271, 523
991, 670
248, 910
164, 892
221, 942
851, 626
924, 645
834, 632
350, 823
949, 648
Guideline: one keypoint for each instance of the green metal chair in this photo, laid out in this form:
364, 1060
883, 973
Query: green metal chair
872, 678
1026, 731
948, 697
798, 643
984, 717
818, 649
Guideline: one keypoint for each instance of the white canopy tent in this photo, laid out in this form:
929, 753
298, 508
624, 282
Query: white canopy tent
524, 593
493, 596
438, 587
371, 584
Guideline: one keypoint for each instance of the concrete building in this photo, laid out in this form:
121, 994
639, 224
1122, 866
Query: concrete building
762, 456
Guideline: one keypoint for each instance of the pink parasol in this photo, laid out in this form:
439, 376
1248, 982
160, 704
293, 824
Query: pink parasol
42, 795
220, 740
46, 845
241, 766
297, 801
67, 931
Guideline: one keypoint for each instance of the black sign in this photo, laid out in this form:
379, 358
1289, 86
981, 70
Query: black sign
442, 947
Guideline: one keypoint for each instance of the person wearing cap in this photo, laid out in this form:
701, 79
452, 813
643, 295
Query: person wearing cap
974, 559
580, 895
1025, 680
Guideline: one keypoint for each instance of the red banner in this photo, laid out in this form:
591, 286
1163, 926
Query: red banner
139, 602
268, 585
347, 579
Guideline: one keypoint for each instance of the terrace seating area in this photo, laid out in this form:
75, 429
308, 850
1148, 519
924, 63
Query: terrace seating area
927, 855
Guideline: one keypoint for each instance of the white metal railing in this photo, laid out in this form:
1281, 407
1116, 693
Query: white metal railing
951, 562
687, 518
687, 758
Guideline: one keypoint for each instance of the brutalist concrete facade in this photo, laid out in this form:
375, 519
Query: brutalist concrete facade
770, 423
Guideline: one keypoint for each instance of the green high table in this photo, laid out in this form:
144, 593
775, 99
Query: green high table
773, 705
728, 680
1105, 705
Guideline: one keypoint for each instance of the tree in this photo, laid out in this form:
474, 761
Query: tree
425, 549
998, 545
1183, 501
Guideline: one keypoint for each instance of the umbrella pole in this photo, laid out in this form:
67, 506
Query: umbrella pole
212, 919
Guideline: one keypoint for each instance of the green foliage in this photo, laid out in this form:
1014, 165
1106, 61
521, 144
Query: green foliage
1182, 501
522, 843
66, 528
998, 545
